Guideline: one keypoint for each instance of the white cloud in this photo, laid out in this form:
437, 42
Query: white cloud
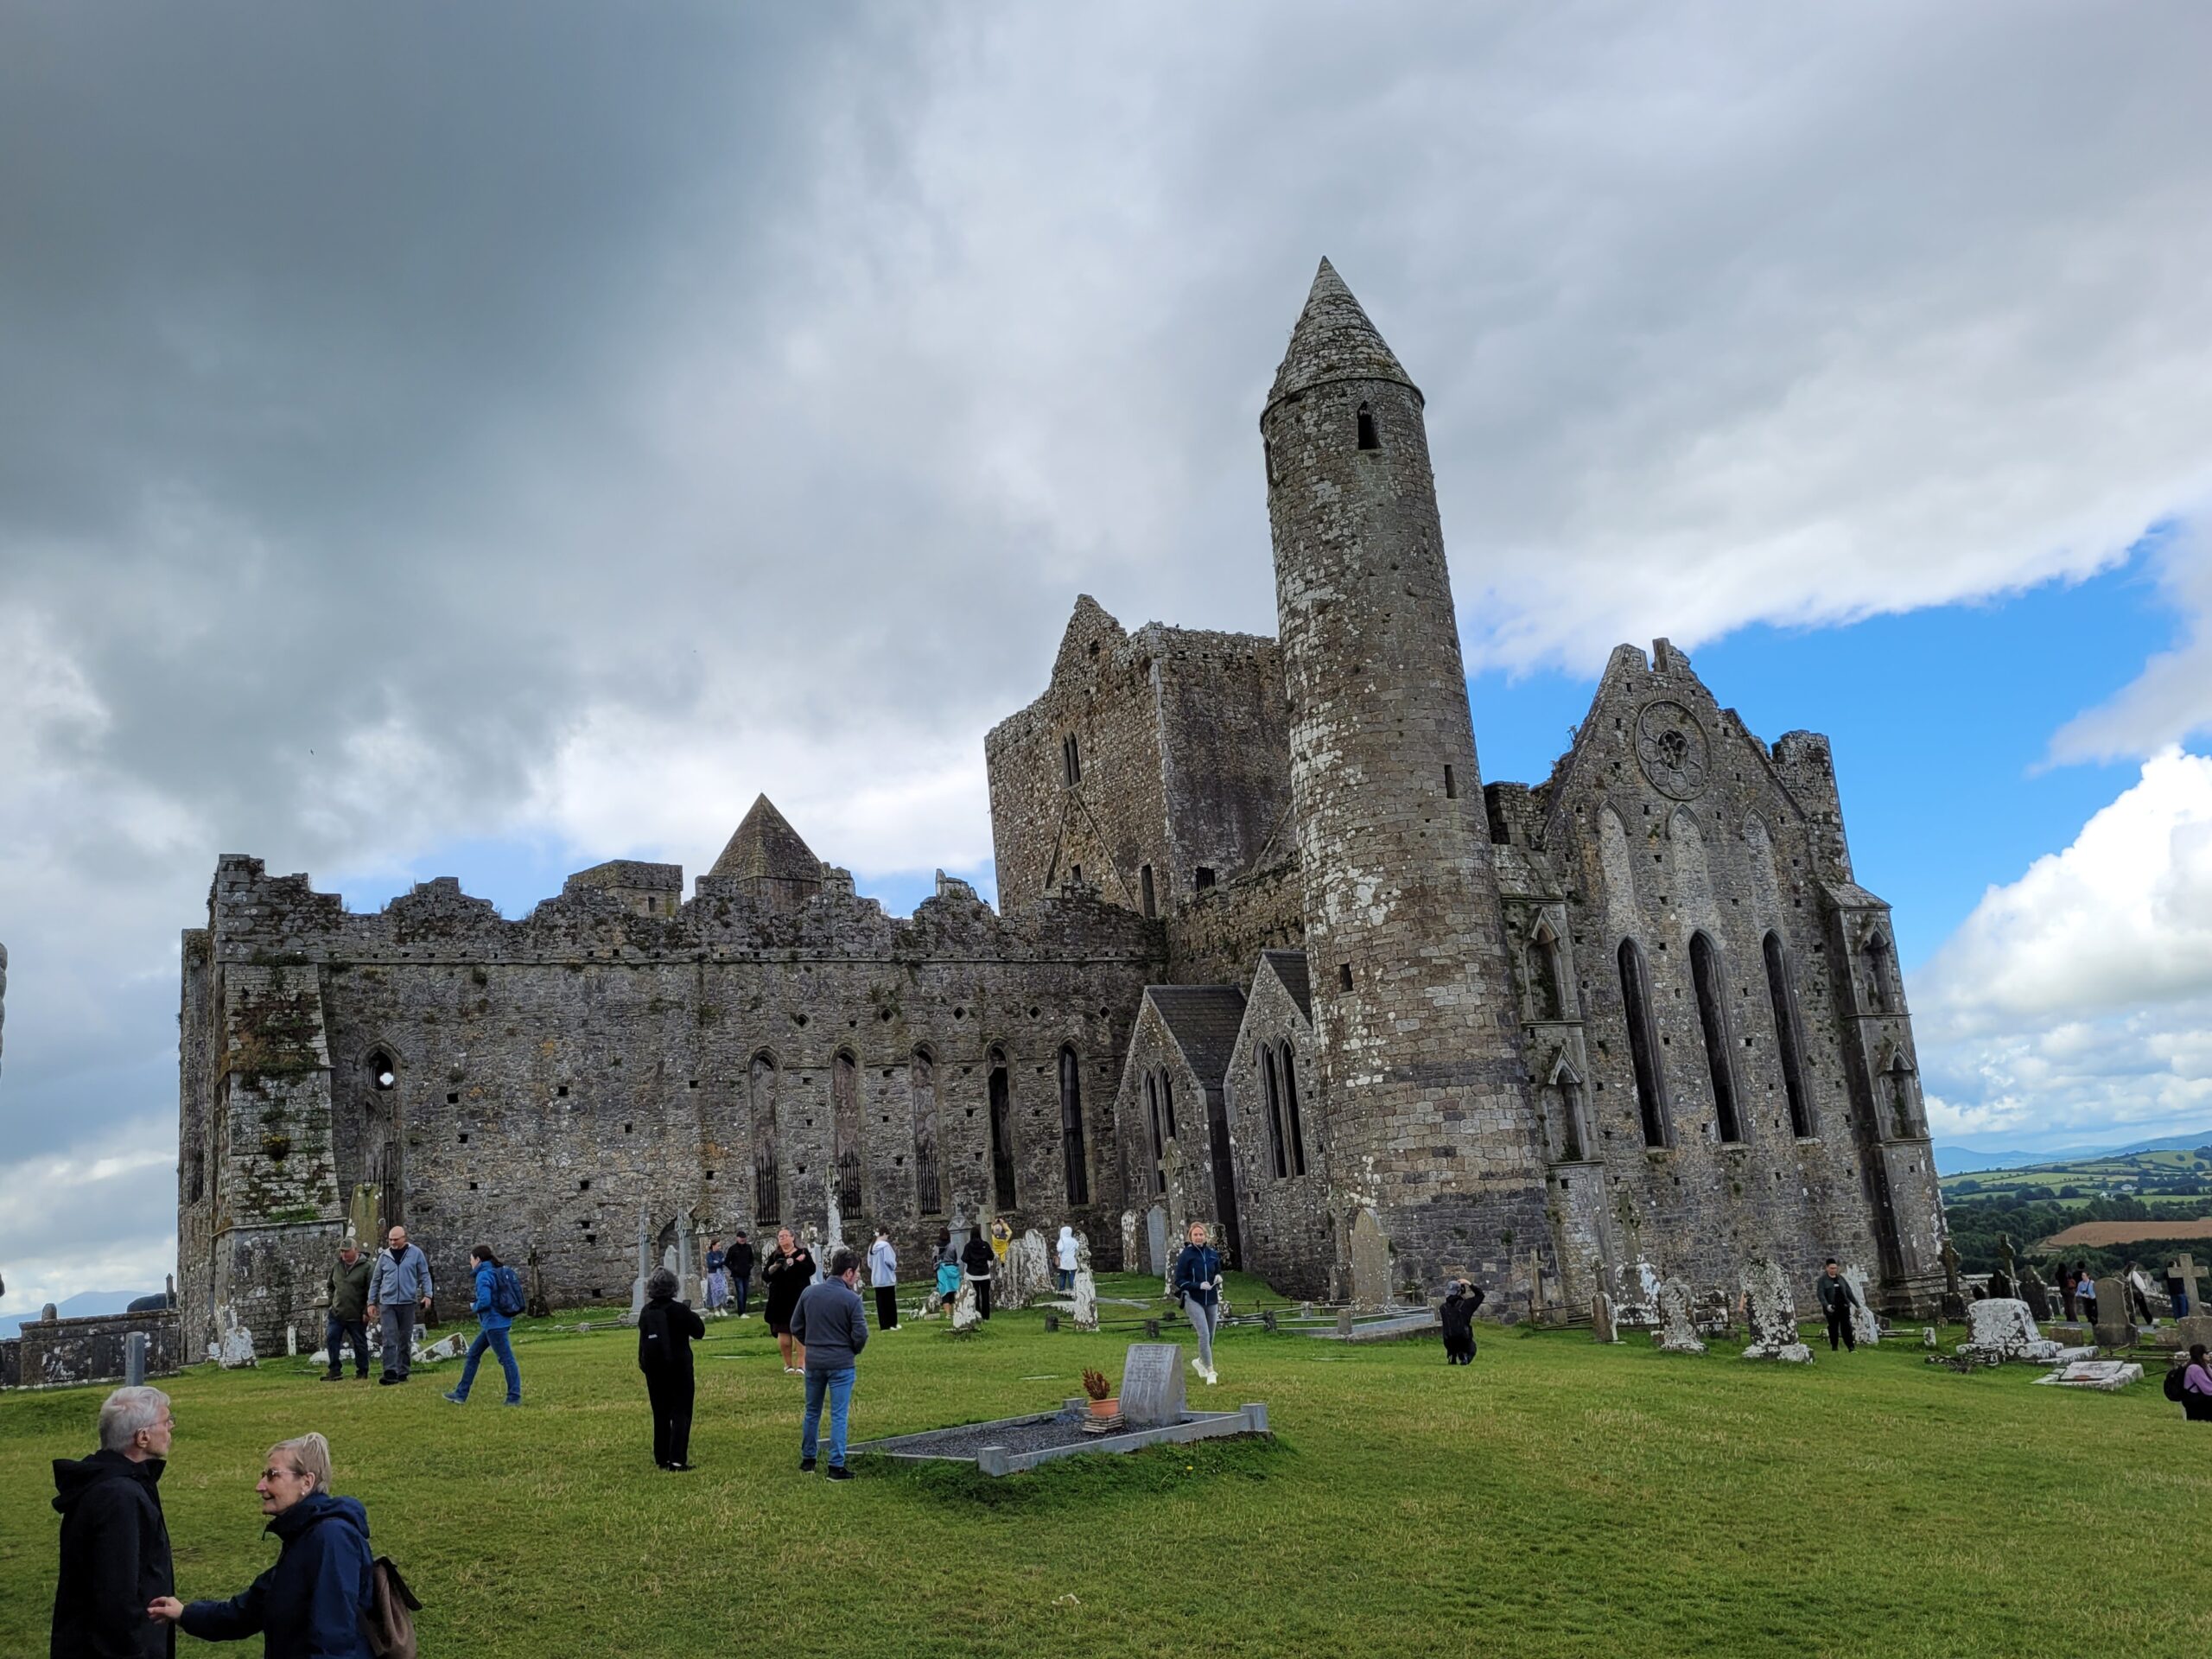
2172, 700
2079, 997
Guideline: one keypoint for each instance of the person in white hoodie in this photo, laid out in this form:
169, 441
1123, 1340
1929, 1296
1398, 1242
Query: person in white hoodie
883, 1274
1065, 1256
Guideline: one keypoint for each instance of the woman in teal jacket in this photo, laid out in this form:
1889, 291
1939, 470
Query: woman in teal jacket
491, 1330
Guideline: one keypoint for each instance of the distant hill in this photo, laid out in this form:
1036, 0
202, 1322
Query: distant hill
82, 1305
1962, 1161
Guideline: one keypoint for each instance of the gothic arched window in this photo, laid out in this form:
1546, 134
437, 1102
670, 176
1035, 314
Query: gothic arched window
1001, 1100
1712, 1017
1543, 958
1782, 992
1268, 1076
1290, 1110
767, 1199
1071, 1147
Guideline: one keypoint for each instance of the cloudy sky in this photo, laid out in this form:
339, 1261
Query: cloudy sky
489, 439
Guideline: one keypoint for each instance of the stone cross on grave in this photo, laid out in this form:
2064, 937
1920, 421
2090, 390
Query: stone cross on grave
2185, 1269
1950, 1266
2012, 1267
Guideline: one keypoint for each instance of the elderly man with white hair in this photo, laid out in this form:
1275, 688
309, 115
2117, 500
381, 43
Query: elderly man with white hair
115, 1545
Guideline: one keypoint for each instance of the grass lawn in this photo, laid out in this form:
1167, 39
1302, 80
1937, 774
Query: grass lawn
1555, 1498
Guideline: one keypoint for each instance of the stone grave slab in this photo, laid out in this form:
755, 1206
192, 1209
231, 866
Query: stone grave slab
2000, 1330
2107, 1375
1601, 1319
1677, 1332
1770, 1313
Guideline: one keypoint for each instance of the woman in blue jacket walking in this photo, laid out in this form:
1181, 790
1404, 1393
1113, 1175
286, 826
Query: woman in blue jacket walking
1197, 1281
309, 1604
491, 1330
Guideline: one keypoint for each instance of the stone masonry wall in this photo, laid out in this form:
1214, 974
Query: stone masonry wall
559, 1074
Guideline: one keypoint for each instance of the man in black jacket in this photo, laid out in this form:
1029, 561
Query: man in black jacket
115, 1545
737, 1262
1837, 1299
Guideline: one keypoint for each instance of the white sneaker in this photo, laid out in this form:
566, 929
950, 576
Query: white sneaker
1212, 1378
1199, 1365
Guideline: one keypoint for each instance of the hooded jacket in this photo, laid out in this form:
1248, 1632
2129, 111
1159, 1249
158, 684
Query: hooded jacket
310, 1603
115, 1559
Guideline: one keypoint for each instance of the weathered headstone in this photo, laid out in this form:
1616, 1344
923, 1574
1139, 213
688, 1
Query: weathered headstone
1955, 1301
966, 1316
1086, 1287
2000, 1329
1770, 1316
363, 1212
446, 1347
233, 1350
684, 1291
133, 1360
645, 1266
49, 1313
1128, 1240
2034, 1292
1152, 1384
1370, 1262
2012, 1262
1677, 1330
1024, 1273
1601, 1319
1866, 1329
1156, 1239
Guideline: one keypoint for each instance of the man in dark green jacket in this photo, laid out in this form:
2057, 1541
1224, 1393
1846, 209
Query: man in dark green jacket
349, 1303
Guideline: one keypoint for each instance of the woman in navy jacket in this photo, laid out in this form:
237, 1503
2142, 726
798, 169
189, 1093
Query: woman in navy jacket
310, 1603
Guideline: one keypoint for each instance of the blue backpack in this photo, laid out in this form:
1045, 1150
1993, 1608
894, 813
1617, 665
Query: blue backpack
506, 1292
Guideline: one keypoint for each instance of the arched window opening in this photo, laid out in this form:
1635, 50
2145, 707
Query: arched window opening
1001, 1096
1168, 1100
1274, 1112
1071, 1144
845, 1130
1567, 1102
1144, 884
767, 1199
1713, 1016
1159, 1145
1545, 1002
1367, 438
1290, 1110
1880, 983
1644, 1046
384, 1072
1782, 992
921, 1087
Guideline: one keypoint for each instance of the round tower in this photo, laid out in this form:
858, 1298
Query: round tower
1434, 1157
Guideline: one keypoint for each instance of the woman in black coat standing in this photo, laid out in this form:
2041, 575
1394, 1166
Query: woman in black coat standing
977, 1259
667, 1330
788, 1270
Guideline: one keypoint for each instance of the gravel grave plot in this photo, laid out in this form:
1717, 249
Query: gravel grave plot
967, 1441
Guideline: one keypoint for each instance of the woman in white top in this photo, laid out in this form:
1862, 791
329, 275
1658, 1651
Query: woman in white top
883, 1274
1067, 1250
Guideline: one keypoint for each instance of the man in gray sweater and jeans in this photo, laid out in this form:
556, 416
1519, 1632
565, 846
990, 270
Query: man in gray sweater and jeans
831, 1323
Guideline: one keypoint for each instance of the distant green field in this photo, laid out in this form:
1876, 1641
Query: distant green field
1555, 1498
2153, 1174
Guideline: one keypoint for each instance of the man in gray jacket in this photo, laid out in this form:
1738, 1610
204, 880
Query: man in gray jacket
399, 1286
833, 1325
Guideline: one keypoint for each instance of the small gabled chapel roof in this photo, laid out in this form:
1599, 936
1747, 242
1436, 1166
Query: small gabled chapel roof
1290, 968
1204, 1020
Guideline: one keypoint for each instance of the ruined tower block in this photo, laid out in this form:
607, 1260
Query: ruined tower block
1431, 1133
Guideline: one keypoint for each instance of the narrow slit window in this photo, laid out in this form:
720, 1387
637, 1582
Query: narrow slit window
1713, 1019
1290, 1111
1451, 785
1072, 760
1367, 438
1344, 976
1274, 1113
1144, 883
1202, 878
1159, 1145
1002, 1102
1642, 1046
1072, 1145
1781, 992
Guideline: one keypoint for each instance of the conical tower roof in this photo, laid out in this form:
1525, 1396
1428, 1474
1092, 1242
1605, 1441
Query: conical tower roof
1334, 341
766, 845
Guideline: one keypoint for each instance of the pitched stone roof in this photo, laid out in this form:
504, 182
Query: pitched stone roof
1203, 1020
1333, 340
1290, 968
766, 845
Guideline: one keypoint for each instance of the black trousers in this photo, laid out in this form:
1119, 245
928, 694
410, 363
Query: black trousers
983, 1298
1840, 1325
671, 1395
886, 1307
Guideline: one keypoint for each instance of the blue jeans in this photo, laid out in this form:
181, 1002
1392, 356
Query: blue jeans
838, 1385
1067, 1278
494, 1337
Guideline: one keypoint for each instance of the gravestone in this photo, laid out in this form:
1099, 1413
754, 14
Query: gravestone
1128, 1240
2185, 1269
1156, 1239
1370, 1262
1866, 1329
2034, 1292
1024, 1274
2113, 1328
2012, 1262
363, 1212
2196, 1328
1677, 1330
1086, 1287
1152, 1384
2105, 1375
1770, 1316
1601, 1319
234, 1350
2000, 1329
133, 1360
49, 1313
683, 1291
645, 1267
1954, 1302
966, 1316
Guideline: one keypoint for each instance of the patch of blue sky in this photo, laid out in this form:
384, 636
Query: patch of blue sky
1940, 720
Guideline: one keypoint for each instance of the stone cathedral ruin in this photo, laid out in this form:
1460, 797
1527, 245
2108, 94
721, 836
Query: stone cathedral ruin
1268, 954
